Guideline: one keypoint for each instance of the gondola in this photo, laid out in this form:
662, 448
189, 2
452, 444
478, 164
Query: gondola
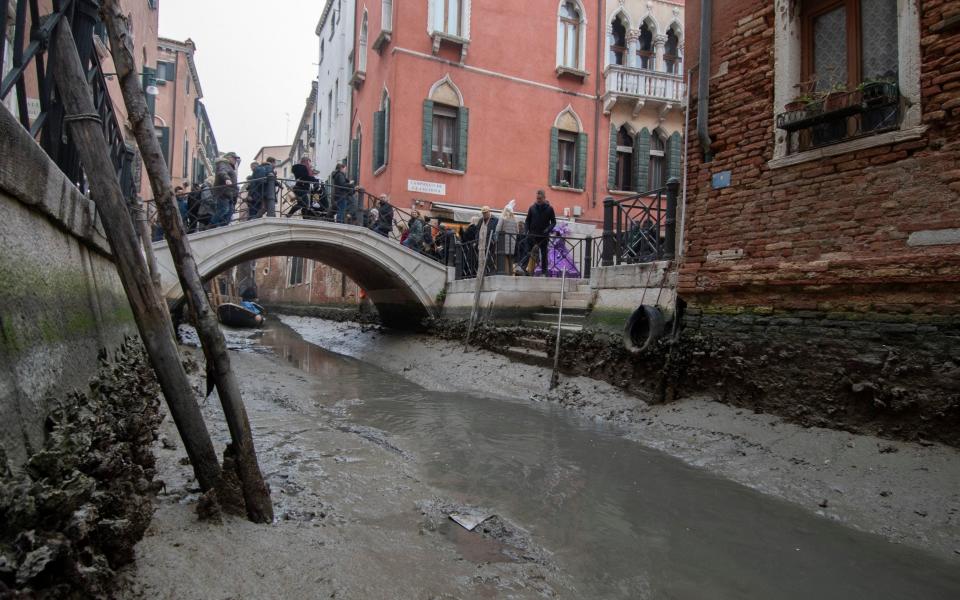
235, 315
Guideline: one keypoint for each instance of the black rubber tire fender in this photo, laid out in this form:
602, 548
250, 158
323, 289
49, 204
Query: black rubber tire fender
643, 328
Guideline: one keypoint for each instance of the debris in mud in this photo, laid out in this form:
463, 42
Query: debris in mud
469, 519
73, 514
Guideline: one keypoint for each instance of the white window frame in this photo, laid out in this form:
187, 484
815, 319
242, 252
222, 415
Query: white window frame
581, 37
435, 8
788, 72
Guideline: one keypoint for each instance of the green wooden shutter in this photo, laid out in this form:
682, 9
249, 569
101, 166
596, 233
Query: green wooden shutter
163, 136
580, 176
354, 167
463, 129
149, 78
378, 139
612, 160
386, 131
641, 161
554, 154
674, 155
427, 131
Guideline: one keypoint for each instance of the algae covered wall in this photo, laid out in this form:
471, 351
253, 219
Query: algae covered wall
61, 300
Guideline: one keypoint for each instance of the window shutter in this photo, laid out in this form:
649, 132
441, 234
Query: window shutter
612, 160
378, 139
674, 155
554, 154
355, 159
386, 130
641, 161
581, 175
163, 136
149, 78
427, 131
463, 129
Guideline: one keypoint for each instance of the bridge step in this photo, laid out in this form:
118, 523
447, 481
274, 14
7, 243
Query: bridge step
552, 324
570, 318
529, 356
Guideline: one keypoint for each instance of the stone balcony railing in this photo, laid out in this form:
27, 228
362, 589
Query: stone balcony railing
642, 85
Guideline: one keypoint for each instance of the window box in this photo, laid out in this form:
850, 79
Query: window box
563, 71
358, 78
838, 105
446, 170
566, 188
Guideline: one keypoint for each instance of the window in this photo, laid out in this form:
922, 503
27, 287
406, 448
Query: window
618, 41
445, 128
386, 15
329, 111
336, 98
381, 133
163, 136
568, 152
295, 272
322, 49
444, 144
447, 17
846, 42
568, 36
646, 57
624, 165
657, 173
362, 50
671, 51
166, 71
186, 159
189, 79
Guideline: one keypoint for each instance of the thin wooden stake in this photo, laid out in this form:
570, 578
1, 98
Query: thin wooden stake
256, 495
149, 309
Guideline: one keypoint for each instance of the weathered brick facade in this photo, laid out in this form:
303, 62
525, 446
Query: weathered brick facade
847, 264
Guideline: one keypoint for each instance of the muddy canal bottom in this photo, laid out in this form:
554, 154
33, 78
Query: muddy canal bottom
621, 520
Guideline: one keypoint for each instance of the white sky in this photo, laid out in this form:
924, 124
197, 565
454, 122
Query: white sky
255, 61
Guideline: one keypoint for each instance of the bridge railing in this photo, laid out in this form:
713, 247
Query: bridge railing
519, 254
640, 228
205, 207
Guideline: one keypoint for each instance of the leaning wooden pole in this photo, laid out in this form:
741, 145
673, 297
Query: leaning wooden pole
256, 495
149, 309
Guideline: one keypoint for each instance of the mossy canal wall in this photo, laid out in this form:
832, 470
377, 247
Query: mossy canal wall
61, 301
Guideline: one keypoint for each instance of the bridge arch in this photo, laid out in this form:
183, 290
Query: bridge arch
402, 284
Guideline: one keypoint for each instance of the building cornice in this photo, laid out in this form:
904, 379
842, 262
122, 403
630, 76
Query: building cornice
323, 17
188, 49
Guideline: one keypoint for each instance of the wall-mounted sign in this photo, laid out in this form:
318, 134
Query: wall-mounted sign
427, 187
721, 180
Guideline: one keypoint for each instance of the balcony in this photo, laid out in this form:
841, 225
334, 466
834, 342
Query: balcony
641, 86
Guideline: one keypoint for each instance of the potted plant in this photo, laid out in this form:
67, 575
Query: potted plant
876, 92
836, 99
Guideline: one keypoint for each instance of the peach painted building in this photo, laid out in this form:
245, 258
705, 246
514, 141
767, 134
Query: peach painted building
461, 103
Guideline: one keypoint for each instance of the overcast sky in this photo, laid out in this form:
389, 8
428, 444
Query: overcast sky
256, 62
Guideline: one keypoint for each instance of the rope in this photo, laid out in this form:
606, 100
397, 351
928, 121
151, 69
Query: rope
83, 117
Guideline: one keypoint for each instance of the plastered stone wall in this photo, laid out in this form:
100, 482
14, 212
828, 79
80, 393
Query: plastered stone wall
61, 301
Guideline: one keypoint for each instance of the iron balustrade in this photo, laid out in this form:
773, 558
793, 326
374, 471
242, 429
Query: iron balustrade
509, 254
640, 228
29, 78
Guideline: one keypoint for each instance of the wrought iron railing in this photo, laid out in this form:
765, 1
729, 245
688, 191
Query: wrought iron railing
519, 254
640, 228
30, 79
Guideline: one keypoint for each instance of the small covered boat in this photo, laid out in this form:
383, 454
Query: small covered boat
237, 315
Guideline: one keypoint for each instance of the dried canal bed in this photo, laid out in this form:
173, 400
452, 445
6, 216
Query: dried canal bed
357, 457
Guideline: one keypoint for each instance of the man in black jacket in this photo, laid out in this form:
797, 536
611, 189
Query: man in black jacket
342, 191
385, 217
303, 172
540, 222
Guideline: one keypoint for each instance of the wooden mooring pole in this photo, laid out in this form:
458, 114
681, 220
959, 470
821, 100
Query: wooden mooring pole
149, 309
256, 495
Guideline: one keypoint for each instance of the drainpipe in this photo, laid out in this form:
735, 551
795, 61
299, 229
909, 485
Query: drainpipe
596, 111
703, 89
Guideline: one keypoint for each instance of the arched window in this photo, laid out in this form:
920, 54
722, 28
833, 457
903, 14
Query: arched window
568, 151
618, 41
353, 164
624, 172
569, 36
645, 52
671, 50
362, 57
657, 176
445, 127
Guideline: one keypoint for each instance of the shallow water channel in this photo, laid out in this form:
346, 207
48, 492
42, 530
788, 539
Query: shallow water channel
622, 520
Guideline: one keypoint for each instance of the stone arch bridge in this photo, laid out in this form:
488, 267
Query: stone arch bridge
401, 283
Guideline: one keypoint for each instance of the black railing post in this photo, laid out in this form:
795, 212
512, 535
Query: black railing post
457, 260
587, 256
670, 241
609, 205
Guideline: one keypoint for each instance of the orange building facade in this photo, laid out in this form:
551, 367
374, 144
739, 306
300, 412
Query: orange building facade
465, 103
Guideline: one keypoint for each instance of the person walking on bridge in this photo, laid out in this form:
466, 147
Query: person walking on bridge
385, 219
225, 188
342, 191
268, 190
303, 173
540, 222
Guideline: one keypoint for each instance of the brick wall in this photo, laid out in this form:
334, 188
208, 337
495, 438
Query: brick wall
803, 281
321, 285
831, 233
